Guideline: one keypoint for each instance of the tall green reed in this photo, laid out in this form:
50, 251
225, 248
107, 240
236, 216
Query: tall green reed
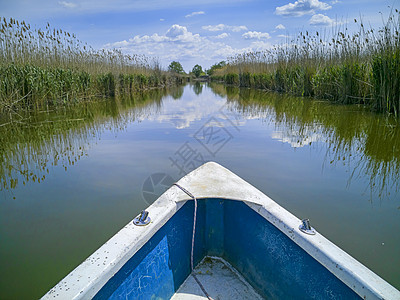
44, 67
361, 67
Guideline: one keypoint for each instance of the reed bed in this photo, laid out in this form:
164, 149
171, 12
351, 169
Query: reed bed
361, 68
44, 67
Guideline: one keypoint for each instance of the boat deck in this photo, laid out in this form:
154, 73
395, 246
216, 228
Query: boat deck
219, 279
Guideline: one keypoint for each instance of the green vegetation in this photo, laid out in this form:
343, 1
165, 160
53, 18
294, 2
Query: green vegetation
360, 68
215, 67
176, 67
197, 70
47, 67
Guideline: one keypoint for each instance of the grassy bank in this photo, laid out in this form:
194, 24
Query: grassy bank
362, 68
51, 66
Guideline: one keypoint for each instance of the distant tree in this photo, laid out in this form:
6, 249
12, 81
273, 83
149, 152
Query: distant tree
176, 67
197, 70
214, 67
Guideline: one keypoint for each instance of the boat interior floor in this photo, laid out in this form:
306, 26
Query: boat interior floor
220, 281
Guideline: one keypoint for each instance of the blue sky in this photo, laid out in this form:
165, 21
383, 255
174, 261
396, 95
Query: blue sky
194, 32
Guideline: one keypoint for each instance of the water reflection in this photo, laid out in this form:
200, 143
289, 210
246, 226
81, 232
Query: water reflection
369, 144
182, 114
197, 88
38, 141
176, 92
129, 139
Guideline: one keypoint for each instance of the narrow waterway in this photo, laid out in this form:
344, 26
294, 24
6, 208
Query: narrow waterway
71, 178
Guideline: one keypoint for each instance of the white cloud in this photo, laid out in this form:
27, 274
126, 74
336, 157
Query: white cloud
221, 27
176, 30
280, 27
121, 44
179, 33
144, 39
256, 35
162, 20
283, 36
237, 28
222, 35
321, 20
178, 43
260, 46
195, 13
67, 4
226, 50
301, 7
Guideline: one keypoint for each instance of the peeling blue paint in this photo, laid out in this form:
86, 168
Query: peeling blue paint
158, 269
272, 263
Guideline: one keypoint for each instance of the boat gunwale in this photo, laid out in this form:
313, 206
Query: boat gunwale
211, 180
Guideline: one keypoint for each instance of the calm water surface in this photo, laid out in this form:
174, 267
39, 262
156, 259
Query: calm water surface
71, 179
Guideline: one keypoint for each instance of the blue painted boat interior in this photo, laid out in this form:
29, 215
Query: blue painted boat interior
273, 264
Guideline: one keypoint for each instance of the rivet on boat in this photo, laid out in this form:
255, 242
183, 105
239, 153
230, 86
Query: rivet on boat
143, 219
306, 227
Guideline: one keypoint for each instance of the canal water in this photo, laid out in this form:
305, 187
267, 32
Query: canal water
71, 178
